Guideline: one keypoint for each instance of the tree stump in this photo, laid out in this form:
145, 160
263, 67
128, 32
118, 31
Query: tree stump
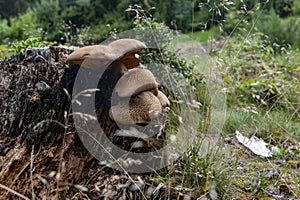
35, 130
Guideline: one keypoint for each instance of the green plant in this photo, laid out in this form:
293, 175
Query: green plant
4, 31
203, 36
283, 7
296, 8
3, 52
256, 72
23, 26
162, 35
47, 14
280, 31
20, 46
77, 36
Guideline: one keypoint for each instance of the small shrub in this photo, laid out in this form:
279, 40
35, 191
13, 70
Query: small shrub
296, 8
20, 46
24, 26
255, 72
280, 31
4, 31
73, 35
48, 18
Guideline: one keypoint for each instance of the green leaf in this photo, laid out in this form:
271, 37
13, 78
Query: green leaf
251, 81
228, 79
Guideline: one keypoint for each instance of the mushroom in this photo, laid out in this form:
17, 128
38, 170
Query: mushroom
136, 81
135, 84
130, 47
142, 108
164, 101
121, 58
98, 56
78, 56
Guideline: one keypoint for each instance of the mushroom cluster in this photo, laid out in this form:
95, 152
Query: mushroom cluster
139, 98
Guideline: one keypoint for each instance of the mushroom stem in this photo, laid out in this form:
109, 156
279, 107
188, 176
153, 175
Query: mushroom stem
164, 101
118, 68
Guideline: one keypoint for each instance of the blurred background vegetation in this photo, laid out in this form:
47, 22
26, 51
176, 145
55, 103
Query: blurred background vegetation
79, 22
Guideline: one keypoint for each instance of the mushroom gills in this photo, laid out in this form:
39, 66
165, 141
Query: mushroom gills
118, 68
131, 59
140, 109
134, 82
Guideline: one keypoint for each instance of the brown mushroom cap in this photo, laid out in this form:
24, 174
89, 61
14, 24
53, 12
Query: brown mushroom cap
97, 56
141, 109
164, 101
89, 56
134, 82
130, 58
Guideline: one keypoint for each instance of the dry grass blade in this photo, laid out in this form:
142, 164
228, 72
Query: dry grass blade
31, 172
14, 192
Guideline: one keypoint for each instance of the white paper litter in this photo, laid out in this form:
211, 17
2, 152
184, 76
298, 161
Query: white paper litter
256, 145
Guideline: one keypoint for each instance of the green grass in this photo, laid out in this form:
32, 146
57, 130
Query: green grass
201, 36
276, 120
205, 36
